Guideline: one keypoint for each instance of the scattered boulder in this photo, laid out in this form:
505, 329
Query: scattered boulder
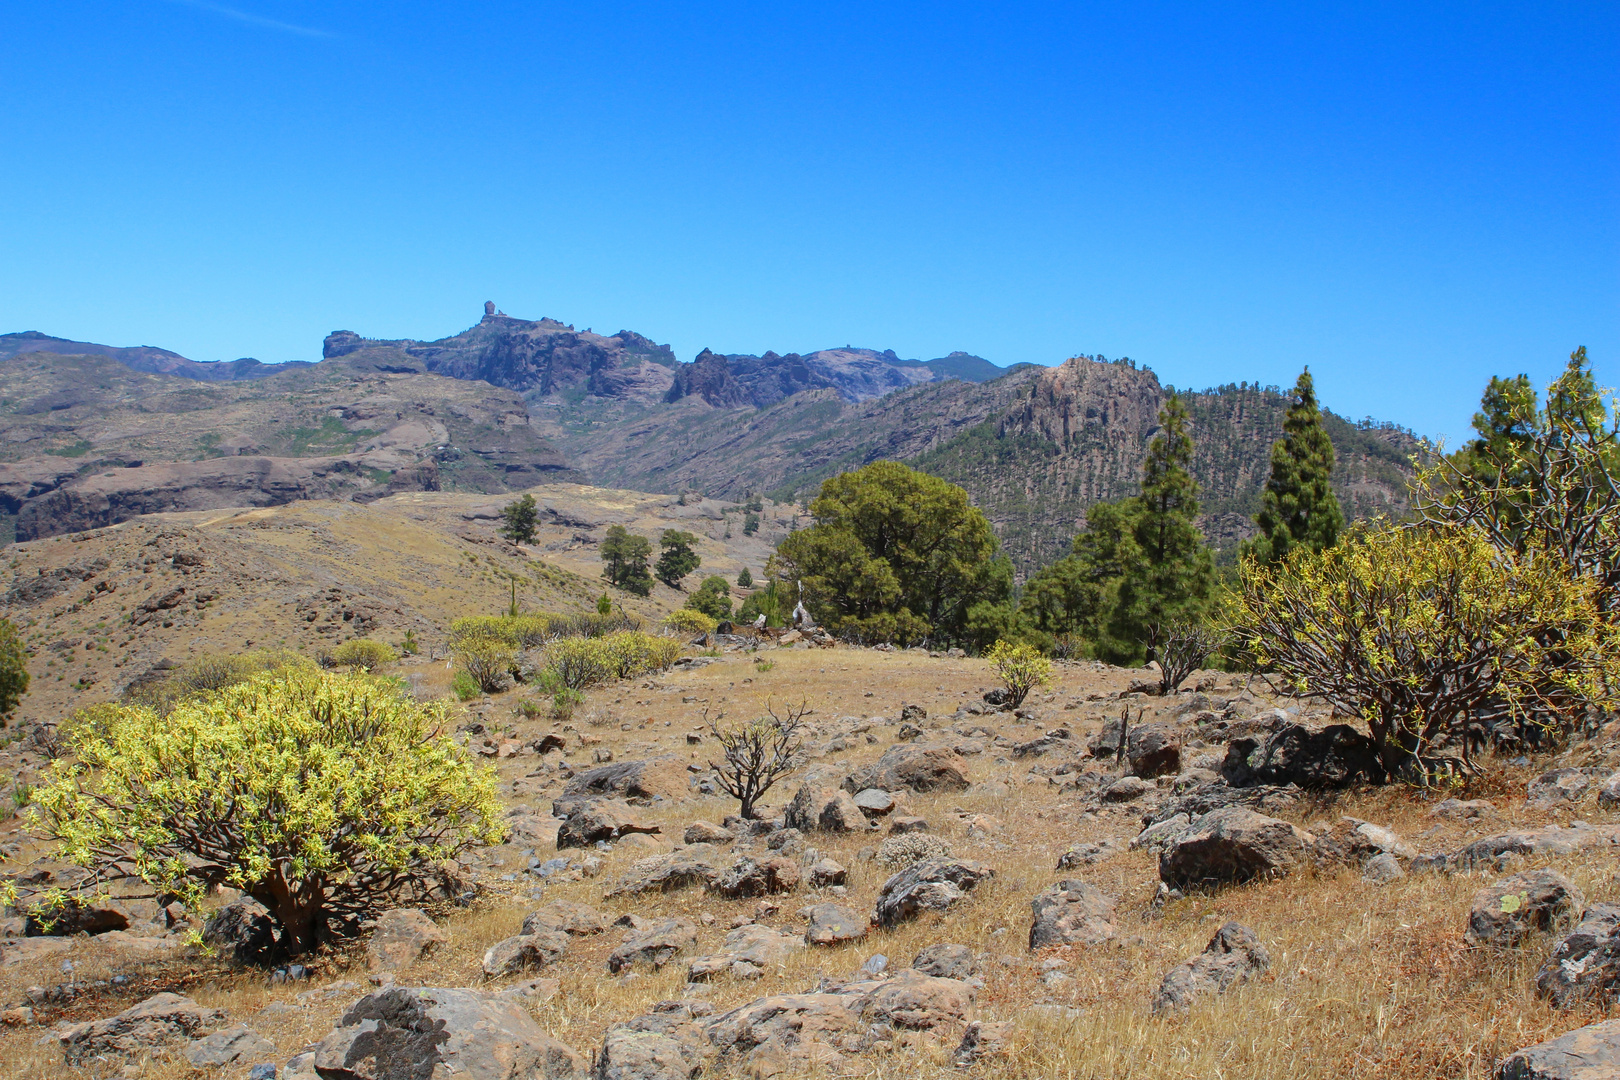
655, 946
1383, 869
1354, 842
1230, 846
1560, 786
1334, 756
1588, 1053
1459, 810
242, 931
402, 937
907, 732
162, 1020
1043, 745
77, 916
757, 877
704, 832
827, 872
691, 865
1233, 955
1105, 744
918, 768
1072, 913
1127, 789
1153, 750
1585, 965
1506, 913
235, 1044
1161, 835
913, 714
983, 1039
665, 1044
916, 1001
600, 821
748, 951
833, 924
564, 917
1609, 793
945, 961
524, 951
932, 885
875, 802
825, 809
1089, 854
631, 781
1494, 850
900, 825
409, 1033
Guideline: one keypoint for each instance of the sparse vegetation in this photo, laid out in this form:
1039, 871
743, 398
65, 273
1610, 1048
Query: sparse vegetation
757, 754
487, 661
1021, 668
324, 797
688, 620
362, 654
210, 673
1183, 649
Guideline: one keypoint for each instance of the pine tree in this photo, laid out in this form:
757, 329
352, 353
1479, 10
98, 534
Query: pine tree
521, 516
624, 560
1169, 577
1299, 508
677, 558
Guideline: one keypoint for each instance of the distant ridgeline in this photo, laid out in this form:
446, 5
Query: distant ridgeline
1033, 446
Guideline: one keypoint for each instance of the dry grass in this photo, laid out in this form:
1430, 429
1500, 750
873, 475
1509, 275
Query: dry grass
1366, 982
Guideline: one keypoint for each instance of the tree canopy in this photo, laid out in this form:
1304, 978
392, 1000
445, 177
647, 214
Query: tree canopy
1299, 508
676, 559
624, 560
897, 555
520, 518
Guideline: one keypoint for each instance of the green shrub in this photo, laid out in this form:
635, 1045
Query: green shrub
1021, 667
712, 598
325, 797
464, 686
363, 653
13, 669
577, 663
486, 660
690, 621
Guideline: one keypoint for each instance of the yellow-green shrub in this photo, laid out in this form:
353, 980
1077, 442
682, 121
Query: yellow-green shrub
213, 672
486, 660
323, 796
578, 663
1420, 630
690, 621
1021, 666
363, 653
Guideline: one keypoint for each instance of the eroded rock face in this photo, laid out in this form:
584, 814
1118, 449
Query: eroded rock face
1233, 955
1505, 913
1233, 845
162, 1020
1585, 964
655, 946
911, 766
1334, 756
931, 885
415, 1033
402, 937
1588, 1053
1072, 913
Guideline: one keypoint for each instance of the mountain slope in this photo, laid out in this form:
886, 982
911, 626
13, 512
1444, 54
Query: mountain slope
144, 358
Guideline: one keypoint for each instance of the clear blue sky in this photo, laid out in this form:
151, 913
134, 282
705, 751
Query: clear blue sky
1407, 197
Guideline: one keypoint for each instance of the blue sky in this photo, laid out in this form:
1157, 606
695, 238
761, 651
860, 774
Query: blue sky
1407, 197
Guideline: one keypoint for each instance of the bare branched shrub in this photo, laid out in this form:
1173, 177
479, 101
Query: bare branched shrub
1183, 649
757, 754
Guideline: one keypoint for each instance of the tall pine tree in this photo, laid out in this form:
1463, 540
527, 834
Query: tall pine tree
1299, 508
1169, 578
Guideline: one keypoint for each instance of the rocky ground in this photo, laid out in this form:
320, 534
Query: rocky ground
943, 887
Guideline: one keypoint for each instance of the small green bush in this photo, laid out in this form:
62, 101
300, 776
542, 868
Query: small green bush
712, 598
1021, 666
13, 669
486, 660
688, 621
464, 686
363, 654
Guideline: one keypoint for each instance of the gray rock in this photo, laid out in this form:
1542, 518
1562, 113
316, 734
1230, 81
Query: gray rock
409, 1033
665, 1044
827, 872
930, 885
1585, 965
1506, 913
565, 917
1458, 810
1609, 793
161, 1020
1153, 750
833, 924
229, 1047
983, 1039
242, 931
402, 937
601, 821
1382, 869
1560, 786
749, 951
1072, 913
1354, 841
524, 951
912, 767
1127, 789
1161, 835
692, 865
900, 825
655, 946
945, 961
874, 802
1233, 955
1088, 854
1588, 1053
1552, 840
748, 876
1233, 845
704, 832
824, 809
1335, 756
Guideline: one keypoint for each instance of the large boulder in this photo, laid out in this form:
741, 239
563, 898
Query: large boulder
524, 951
1233, 845
162, 1020
749, 876
1356, 842
402, 937
242, 931
1506, 913
1232, 955
1153, 750
1334, 756
655, 946
824, 809
565, 917
1588, 1053
418, 1033
691, 865
832, 924
665, 1044
749, 951
1072, 913
931, 885
634, 781
606, 820
1585, 965
912, 766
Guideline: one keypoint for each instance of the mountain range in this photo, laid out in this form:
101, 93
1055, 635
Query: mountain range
92, 434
